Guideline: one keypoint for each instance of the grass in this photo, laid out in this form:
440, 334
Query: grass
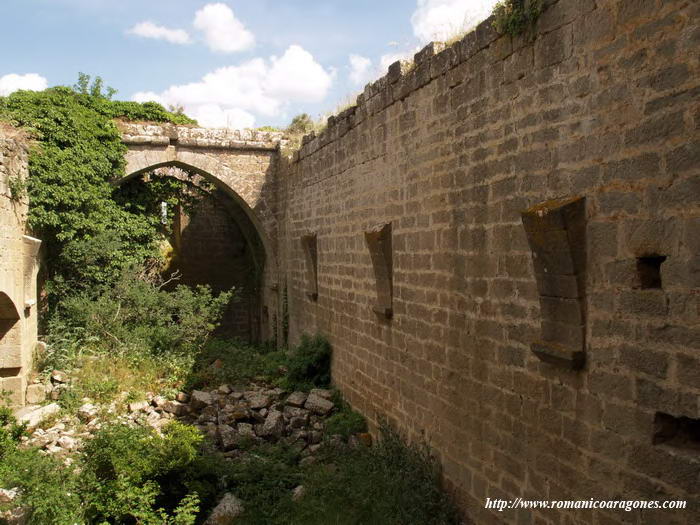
136, 474
388, 484
126, 474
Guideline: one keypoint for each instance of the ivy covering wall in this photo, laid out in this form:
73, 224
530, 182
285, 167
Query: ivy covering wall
91, 229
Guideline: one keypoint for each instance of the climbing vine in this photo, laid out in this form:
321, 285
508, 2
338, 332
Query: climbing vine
18, 188
515, 17
90, 230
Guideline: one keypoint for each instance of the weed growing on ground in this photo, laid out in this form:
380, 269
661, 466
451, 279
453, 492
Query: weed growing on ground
345, 422
123, 472
389, 484
309, 364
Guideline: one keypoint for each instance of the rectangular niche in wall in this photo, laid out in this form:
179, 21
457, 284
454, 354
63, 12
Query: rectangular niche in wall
556, 233
378, 241
309, 244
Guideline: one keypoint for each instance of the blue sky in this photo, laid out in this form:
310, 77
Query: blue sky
230, 62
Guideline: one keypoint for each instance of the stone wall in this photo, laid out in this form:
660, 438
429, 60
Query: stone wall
557, 362
18, 271
212, 250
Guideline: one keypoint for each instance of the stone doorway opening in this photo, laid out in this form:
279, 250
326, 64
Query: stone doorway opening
209, 240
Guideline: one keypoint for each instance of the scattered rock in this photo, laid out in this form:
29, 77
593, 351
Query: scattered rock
138, 406
318, 405
309, 460
8, 495
246, 430
322, 392
57, 376
298, 493
297, 399
182, 397
158, 401
67, 442
238, 412
257, 400
228, 437
35, 394
229, 508
87, 411
33, 416
275, 393
176, 408
200, 400
16, 516
273, 425
224, 389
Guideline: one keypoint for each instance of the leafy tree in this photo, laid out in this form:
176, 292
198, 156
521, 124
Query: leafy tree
90, 230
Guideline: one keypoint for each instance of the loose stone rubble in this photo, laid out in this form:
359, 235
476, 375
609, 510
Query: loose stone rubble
232, 417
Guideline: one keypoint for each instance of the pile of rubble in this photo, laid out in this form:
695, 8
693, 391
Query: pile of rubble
231, 416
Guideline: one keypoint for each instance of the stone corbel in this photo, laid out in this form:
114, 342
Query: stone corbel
309, 243
556, 233
378, 241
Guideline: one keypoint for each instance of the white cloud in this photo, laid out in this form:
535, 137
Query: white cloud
13, 82
297, 76
223, 32
151, 30
215, 116
232, 96
442, 19
360, 69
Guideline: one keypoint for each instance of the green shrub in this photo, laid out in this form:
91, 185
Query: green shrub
137, 314
264, 481
45, 486
123, 469
49, 489
309, 364
345, 422
515, 17
237, 363
389, 484
73, 206
10, 431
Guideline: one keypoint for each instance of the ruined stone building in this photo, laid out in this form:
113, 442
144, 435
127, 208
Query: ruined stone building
18, 271
502, 243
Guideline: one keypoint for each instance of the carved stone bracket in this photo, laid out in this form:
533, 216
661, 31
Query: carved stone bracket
379, 243
556, 233
309, 243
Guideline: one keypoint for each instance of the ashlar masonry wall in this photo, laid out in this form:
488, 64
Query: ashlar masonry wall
561, 361
18, 272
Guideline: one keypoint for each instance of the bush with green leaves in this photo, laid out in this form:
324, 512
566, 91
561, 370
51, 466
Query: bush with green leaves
223, 361
390, 483
10, 430
303, 367
345, 421
515, 17
138, 314
78, 152
44, 485
309, 364
125, 469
